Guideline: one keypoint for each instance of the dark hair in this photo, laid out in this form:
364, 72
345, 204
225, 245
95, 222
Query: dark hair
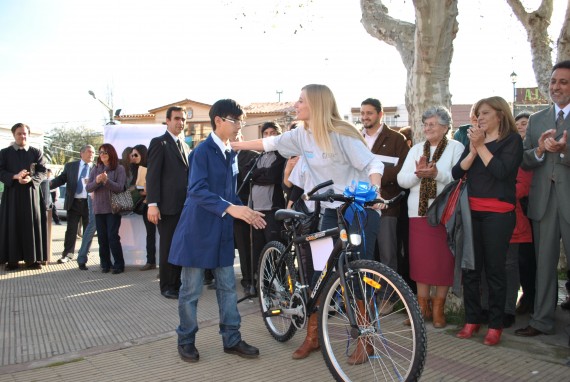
143, 151
113, 158
225, 108
522, 114
561, 65
18, 125
271, 125
174, 108
126, 160
374, 103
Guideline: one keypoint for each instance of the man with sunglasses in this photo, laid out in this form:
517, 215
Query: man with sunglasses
75, 175
166, 182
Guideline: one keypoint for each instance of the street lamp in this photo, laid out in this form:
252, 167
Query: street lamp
109, 109
514, 81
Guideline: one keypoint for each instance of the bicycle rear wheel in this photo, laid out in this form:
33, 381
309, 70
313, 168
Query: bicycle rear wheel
389, 351
275, 287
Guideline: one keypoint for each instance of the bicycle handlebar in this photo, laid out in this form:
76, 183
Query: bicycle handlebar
330, 196
317, 188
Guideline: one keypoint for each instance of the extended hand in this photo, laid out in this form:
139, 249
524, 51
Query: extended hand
248, 215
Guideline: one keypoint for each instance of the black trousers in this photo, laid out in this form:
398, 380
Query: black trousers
243, 245
527, 271
79, 211
271, 232
169, 274
150, 238
491, 235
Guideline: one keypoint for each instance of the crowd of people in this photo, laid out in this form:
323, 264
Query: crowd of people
223, 195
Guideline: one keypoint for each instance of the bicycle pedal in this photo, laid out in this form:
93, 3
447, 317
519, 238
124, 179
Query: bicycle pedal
272, 313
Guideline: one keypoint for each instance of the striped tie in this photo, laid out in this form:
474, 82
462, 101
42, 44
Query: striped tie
560, 119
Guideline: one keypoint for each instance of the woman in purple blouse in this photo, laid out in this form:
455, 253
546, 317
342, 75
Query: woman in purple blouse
106, 177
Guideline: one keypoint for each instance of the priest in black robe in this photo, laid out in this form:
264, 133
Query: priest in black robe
22, 169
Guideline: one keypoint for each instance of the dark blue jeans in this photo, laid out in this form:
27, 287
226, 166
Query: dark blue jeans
109, 241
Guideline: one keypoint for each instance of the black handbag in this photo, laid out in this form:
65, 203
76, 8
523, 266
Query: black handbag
122, 203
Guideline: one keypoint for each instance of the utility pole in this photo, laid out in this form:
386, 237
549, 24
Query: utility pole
279, 92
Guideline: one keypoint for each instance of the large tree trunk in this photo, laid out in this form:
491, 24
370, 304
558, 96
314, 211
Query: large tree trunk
536, 25
426, 49
563, 43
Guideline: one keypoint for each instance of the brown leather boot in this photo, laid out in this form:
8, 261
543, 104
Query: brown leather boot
311, 342
364, 348
438, 305
425, 310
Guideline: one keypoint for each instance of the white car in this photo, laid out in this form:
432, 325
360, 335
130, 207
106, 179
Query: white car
61, 212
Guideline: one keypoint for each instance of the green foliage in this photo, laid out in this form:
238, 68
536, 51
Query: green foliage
62, 144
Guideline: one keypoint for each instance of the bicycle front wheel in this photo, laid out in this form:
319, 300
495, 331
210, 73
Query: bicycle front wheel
382, 348
277, 277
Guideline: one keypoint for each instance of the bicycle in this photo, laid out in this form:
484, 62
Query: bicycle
345, 287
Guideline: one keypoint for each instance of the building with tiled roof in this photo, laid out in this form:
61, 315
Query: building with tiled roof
198, 125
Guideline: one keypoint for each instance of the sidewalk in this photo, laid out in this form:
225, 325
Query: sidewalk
62, 324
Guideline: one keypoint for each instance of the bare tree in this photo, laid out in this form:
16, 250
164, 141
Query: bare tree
426, 49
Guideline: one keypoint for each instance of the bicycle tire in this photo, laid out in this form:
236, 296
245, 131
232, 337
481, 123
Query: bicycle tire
281, 327
394, 352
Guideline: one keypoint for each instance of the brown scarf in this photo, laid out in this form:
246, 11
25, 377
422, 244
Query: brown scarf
428, 186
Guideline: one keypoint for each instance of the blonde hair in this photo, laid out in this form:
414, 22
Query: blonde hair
324, 117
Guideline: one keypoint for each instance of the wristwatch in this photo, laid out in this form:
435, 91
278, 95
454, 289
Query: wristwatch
376, 188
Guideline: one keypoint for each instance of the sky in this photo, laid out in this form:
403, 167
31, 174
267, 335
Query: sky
137, 55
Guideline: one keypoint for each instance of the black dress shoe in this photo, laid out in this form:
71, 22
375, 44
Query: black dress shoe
117, 271
170, 294
83, 267
529, 331
12, 266
243, 350
105, 270
188, 353
35, 265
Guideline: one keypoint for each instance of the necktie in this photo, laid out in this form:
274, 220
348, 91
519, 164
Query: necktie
181, 151
560, 119
228, 156
80, 180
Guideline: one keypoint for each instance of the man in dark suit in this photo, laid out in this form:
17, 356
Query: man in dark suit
547, 154
204, 238
74, 175
392, 146
166, 182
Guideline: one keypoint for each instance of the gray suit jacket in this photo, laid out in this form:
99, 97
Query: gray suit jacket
554, 168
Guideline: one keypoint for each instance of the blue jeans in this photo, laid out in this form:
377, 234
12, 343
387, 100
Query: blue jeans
190, 291
87, 234
110, 241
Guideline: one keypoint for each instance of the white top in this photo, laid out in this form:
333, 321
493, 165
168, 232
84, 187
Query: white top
408, 179
83, 193
349, 161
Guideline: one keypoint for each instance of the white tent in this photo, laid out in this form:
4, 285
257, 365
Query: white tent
125, 135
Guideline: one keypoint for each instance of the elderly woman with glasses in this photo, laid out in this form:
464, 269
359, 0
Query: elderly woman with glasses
106, 177
426, 171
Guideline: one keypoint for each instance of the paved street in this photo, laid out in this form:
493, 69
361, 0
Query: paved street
62, 324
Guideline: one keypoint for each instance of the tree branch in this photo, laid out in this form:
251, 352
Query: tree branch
395, 32
563, 43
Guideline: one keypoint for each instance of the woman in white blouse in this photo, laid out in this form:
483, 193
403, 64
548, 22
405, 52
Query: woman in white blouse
426, 171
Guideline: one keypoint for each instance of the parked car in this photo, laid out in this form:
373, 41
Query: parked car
61, 212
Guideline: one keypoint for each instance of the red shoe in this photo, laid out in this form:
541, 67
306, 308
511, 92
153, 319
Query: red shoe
493, 337
468, 331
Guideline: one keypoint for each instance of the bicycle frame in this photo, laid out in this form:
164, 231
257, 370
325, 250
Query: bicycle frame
337, 259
